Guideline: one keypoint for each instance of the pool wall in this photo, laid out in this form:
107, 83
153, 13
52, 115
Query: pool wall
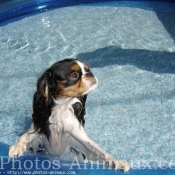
12, 9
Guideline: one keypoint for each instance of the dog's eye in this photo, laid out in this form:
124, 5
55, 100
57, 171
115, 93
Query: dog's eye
74, 75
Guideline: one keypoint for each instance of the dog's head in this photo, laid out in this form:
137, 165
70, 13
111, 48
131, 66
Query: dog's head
66, 78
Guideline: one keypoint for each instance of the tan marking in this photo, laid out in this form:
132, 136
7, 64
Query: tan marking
86, 67
46, 92
60, 86
75, 67
73, 91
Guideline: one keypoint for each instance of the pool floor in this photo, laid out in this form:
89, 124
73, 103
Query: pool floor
130, 47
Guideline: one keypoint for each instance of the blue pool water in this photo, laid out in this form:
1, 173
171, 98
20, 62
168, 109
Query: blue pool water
130, 47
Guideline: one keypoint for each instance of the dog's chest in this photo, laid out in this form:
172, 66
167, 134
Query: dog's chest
58, 144
59, 120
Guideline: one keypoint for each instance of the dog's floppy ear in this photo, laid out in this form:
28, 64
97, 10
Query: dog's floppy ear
43, 103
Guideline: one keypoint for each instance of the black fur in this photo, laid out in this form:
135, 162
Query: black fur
79, 109
42, 106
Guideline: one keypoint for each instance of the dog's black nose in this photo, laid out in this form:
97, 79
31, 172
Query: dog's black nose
89, 74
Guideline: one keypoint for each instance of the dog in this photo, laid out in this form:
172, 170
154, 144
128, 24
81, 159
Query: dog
58, 116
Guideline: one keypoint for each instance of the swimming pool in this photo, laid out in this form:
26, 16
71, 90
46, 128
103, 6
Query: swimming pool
130, 47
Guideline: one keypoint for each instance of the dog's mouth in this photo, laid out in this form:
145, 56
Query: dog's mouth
91, 84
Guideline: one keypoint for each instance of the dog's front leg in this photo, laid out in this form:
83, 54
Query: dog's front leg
79, 134
19, 149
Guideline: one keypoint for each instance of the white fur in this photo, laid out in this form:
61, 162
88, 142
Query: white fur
81, 66
91, 85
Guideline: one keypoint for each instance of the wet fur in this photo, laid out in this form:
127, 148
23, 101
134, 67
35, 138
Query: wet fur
58, 117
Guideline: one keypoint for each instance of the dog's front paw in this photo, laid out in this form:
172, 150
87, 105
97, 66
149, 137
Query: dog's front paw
37, 147
16, 151
121, 164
